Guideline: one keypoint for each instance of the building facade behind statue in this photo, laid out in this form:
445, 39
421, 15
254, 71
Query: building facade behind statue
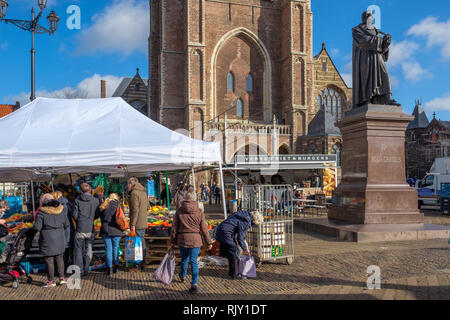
240, 68
425, 141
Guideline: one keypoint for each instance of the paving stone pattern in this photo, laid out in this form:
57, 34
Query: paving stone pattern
323, 269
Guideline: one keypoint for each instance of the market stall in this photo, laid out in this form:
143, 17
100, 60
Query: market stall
262, 169
93, 136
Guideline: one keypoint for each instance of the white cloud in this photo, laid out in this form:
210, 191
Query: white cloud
442, 103
436, 33
414, 72
348, 78
122, 27
401, 51
87, 88
394, 81
335, 52
402, 54
349, 66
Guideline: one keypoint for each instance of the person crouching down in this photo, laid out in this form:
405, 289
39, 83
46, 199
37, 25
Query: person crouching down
238, 225
189, 230
110, 232
51, 222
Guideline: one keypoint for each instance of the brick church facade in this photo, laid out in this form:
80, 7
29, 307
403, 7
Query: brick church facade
243, 73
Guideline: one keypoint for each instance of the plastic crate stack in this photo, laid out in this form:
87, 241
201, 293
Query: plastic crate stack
273, 238
15, 206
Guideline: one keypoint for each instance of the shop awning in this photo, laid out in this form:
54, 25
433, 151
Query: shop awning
57, 136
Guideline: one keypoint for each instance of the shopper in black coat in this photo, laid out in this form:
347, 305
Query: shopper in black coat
235, 227
69, 232
110, 232
51, 222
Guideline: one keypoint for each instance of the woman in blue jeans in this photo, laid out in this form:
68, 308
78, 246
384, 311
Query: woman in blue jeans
189, 231
110, 232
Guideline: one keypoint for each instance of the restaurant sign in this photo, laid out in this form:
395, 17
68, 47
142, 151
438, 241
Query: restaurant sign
262, 159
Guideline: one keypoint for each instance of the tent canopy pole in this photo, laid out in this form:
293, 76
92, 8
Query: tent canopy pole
167, 190
223, 190
32, 197
193, 179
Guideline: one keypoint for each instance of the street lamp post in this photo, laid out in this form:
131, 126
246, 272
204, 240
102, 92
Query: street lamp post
33, 27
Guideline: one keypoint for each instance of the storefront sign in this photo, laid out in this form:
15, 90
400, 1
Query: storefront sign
285, 159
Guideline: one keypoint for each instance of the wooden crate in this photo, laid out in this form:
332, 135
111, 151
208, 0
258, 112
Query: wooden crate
158, 248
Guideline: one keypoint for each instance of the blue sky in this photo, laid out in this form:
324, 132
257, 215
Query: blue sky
72, 62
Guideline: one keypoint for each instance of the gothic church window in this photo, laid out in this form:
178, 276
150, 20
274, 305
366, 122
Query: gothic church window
249, 83
230, 82
331, 101
239, 109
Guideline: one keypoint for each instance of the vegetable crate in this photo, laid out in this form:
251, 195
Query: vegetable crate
274, 238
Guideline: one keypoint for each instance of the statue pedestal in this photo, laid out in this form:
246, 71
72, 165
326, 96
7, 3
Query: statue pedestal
373, 189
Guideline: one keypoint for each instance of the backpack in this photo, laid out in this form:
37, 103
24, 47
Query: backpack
121, 220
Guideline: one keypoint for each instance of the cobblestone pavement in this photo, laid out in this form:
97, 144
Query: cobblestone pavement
323, 269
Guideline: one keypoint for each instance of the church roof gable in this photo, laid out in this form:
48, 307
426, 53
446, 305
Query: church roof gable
420, 118
324, 52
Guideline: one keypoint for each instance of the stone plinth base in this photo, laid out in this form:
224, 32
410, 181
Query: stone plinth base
373, 189
375, 232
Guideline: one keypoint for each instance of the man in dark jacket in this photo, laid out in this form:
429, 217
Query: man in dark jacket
236, 225
86, 210
139, 206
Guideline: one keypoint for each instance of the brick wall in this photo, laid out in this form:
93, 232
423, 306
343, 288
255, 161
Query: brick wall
194, 44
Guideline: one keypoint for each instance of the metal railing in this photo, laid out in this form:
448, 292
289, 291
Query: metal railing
283, 130
274, 239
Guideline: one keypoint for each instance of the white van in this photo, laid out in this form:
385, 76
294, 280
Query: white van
429, 188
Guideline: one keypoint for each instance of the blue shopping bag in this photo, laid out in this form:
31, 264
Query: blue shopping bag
133, 250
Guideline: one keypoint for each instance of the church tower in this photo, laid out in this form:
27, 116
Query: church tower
242, 68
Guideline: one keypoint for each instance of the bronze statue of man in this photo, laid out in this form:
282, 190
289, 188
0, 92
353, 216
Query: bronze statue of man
371, 82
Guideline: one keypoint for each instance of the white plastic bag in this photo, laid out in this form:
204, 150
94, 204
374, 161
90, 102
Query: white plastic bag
247, 267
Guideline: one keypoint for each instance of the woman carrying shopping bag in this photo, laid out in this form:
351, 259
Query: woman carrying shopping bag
190, 231
110, 232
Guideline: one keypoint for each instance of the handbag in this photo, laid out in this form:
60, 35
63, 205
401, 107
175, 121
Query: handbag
121, 220
166, 269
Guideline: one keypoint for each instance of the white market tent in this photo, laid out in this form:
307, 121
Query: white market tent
58, 136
